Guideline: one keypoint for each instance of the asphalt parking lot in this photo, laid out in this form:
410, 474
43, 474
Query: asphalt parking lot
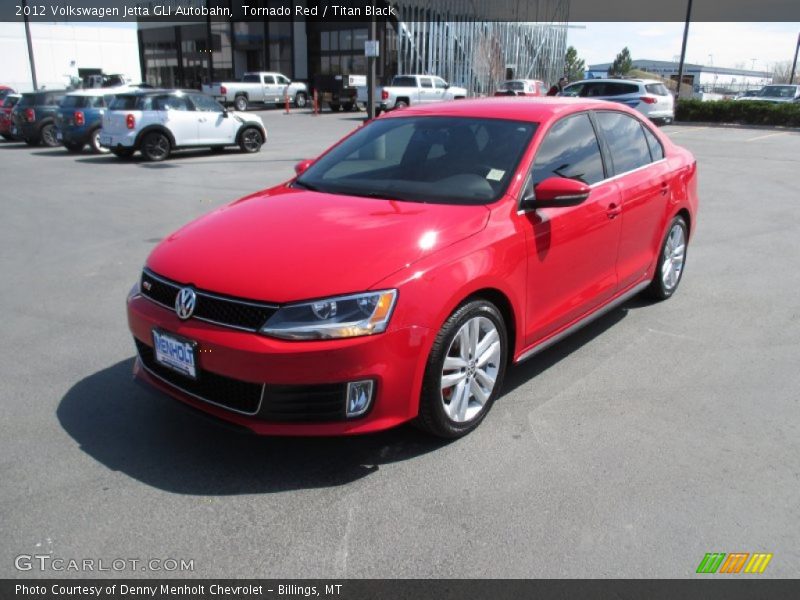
659, 433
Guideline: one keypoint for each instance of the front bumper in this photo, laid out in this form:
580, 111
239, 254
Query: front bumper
292, 374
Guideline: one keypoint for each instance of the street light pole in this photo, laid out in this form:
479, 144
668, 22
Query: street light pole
373, 36
794, 63
30, 44
683, 49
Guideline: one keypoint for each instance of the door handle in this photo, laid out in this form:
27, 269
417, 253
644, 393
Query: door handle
613, 210
664, 188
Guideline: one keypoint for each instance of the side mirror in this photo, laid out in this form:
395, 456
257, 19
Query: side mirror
303, 165
555, 192
225, 114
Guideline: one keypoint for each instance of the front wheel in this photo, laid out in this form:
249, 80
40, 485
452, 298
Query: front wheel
671, 260
156, 146
300, 100
465, 370
251, 140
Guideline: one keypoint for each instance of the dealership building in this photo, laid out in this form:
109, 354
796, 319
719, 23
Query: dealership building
470, 44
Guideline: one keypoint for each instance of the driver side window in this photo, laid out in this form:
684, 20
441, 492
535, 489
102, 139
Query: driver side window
570, 149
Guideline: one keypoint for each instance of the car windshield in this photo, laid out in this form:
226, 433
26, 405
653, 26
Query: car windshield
779, 91
447, 160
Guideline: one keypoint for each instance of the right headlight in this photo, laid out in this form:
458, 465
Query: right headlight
331, 318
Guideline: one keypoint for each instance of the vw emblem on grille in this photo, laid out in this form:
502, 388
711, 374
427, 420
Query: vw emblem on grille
185, 303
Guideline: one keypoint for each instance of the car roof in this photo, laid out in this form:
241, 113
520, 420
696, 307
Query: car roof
531, 109
92, 92
153, 91
617, 80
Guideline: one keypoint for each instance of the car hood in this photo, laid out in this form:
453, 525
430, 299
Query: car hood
283, 244
244, 117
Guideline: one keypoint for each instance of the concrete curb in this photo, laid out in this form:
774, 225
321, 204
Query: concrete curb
731, 126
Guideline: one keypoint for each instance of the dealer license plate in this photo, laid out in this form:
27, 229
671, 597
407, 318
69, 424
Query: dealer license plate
176, 353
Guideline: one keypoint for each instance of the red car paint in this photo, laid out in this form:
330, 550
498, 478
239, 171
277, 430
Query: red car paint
551, 268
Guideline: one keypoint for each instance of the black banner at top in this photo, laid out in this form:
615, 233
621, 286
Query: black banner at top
541, 11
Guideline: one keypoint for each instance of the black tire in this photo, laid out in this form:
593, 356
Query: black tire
336, 107
94, 142
122, 152
155, 146
73, 147
658, 288
432, 416
300, 100
241, 103
48, 135
400, 104
251, 140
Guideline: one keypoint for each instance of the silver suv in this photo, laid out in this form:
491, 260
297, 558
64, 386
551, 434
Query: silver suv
649, 96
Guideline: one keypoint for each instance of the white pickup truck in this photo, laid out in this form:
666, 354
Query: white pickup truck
408, 90
258, 88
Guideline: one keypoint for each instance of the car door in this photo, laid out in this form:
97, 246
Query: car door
272, 91
439, 89
426, 90
643, 180
178, 116
214, 125
572, 251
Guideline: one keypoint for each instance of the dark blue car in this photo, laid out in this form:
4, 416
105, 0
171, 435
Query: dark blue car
80, 117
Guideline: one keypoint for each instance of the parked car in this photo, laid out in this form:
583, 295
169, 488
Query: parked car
338, 91
33, 117
399, 273
79, 119
5, 91
156, 122
522, 87
778, 93
6, 106
749, 94
411, 90
649, 96
259, 88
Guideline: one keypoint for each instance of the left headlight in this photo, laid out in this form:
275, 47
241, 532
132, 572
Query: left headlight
337, 317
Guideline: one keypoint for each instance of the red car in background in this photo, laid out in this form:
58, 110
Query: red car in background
396, 277
522, 87
7, 104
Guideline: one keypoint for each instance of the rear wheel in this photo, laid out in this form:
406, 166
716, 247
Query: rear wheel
465, 370
241, 103
251, 140
300, 100
156, 146
48, 135
94, 142
400, 104
122, 152
671, 261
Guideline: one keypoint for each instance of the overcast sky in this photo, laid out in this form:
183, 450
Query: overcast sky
720, 44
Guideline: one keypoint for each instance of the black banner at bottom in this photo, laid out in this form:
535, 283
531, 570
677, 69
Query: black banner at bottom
399, 589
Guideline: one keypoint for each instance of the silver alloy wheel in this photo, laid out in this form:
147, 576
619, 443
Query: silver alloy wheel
300, 100
240, 103
251, 139
470, 369
49, 136
96, 145
674, 256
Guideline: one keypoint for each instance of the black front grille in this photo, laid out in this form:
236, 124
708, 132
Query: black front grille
233, 394
232, 312
306, 404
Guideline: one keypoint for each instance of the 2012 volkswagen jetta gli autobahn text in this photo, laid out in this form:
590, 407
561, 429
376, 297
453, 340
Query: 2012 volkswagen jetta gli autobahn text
398, 275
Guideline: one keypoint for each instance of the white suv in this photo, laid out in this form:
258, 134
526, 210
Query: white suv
649, 96
155, 122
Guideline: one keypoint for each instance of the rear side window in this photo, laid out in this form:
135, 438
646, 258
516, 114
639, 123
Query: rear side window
570, 150
656, 149
618, 89
252, 78
130, 103
74, 102
659, 89
626, 141
404, 81
171, 103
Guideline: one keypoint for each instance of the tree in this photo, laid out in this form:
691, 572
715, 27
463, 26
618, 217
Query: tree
622, 64
574, 67
781, 72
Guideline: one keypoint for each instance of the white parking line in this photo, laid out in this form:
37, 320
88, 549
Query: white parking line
761, 137
685, 129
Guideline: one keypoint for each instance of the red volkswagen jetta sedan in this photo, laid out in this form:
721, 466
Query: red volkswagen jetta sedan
400, 272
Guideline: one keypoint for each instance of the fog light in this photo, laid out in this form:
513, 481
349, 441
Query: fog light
359, 397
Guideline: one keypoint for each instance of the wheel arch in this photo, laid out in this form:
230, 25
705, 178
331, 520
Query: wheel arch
684, 212
151, 129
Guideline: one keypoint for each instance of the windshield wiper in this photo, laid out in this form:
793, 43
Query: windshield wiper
304, 185
381, 196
